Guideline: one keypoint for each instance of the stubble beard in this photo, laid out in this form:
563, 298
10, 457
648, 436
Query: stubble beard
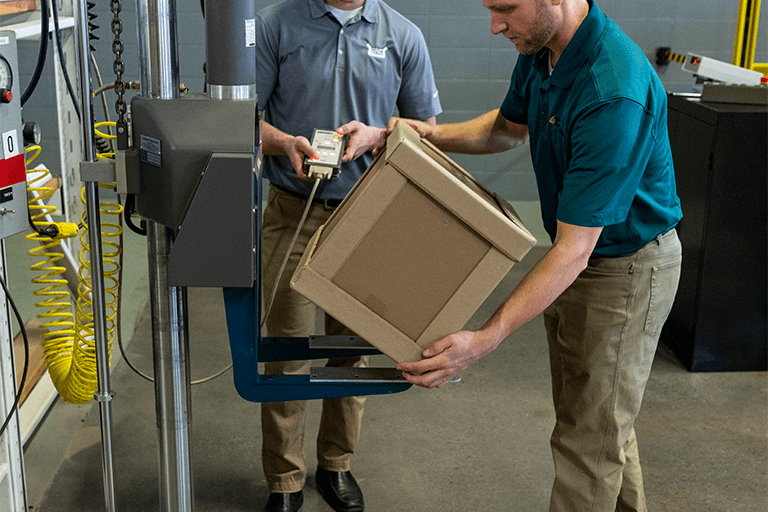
543, 27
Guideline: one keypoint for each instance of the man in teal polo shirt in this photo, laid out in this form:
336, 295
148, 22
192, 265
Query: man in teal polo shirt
346, 64
596, 116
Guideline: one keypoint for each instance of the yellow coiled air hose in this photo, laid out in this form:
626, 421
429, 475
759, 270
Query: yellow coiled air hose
58, 316
69, 347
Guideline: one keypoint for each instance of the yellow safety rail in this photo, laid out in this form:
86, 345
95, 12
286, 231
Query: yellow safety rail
746, 37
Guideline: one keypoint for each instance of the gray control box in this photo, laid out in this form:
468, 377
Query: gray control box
13, 174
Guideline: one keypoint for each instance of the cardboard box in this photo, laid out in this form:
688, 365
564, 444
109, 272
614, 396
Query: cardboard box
412, 251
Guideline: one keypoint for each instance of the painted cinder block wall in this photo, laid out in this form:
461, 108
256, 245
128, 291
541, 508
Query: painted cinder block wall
472, 67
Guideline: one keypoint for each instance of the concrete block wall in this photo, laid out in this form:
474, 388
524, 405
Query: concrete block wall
472, 67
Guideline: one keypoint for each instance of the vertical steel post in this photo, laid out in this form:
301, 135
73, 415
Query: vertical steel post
230, 49
158, 58
13, 486
158, 49
172, 382
104, 393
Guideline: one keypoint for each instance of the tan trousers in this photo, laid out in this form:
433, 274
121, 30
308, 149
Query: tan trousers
292, 315
603, 332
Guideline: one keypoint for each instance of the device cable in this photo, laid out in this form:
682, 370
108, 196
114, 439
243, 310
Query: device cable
130, 201
123, 215
271, 300
42, 54
26, 358
100, 82
32, 225
121, 347
62, 63
120, 310
290, 249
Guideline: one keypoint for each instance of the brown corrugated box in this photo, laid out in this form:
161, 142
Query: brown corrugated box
412, 251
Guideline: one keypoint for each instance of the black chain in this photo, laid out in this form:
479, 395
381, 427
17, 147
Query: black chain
119, 68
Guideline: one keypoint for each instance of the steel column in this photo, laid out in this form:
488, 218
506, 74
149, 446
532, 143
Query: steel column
104, 393
172, 382
158, 48
159, 62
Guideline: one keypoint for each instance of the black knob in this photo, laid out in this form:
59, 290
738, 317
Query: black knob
31, 132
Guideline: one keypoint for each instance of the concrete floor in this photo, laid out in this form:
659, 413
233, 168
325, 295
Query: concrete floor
481, 444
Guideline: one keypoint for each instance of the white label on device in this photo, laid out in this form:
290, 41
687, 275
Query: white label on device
10, 144
250, 33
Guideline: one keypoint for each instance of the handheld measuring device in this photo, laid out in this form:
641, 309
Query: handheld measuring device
329, 149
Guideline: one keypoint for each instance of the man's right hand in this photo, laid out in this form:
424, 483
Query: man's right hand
278, 143
298, 148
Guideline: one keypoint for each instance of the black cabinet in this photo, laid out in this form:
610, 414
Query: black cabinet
720, 150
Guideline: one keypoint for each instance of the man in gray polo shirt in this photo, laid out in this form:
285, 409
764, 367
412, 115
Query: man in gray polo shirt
333, 64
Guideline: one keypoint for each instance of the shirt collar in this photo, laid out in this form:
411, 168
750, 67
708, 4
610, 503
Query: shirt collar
318, 9
577, 51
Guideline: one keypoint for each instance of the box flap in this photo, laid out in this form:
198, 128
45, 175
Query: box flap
442, 178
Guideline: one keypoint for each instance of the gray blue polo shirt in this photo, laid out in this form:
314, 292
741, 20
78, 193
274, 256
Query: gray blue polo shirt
598, 133
313, 73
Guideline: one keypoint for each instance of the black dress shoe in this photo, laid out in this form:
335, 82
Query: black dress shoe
284, 502
339, 490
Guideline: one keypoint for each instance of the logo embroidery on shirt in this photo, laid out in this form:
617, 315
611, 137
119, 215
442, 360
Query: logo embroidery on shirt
378, 53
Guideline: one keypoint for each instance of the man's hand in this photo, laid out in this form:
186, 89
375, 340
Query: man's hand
362, 138
424, 129
446, 357
278, 143
298, 148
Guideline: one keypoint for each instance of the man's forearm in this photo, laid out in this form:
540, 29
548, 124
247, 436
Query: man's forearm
273, 141
555, 272
489, 133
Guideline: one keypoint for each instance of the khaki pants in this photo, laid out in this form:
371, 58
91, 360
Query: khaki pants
292, 315
603, 332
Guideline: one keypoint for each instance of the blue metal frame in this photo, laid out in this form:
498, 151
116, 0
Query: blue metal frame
249, 348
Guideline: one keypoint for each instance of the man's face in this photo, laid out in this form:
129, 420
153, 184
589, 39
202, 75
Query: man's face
529, 24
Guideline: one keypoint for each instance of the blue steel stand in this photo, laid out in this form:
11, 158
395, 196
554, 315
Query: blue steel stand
249, 348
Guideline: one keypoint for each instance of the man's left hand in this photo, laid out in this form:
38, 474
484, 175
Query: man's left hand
362, 138
445, 358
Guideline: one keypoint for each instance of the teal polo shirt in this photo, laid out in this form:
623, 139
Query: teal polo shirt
312, 72
598, 137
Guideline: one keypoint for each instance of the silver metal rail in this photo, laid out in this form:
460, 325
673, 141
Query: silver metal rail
158, 49
159, 62
172, 381
104, 393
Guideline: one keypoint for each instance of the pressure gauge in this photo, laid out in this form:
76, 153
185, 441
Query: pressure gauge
6, 74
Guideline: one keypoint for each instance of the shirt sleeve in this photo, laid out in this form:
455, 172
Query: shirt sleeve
418, 97
611, 146
514, 107
266, 62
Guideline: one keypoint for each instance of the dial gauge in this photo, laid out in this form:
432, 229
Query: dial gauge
6, 74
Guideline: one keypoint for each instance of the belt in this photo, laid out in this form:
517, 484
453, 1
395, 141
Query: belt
663, 235
328, 203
